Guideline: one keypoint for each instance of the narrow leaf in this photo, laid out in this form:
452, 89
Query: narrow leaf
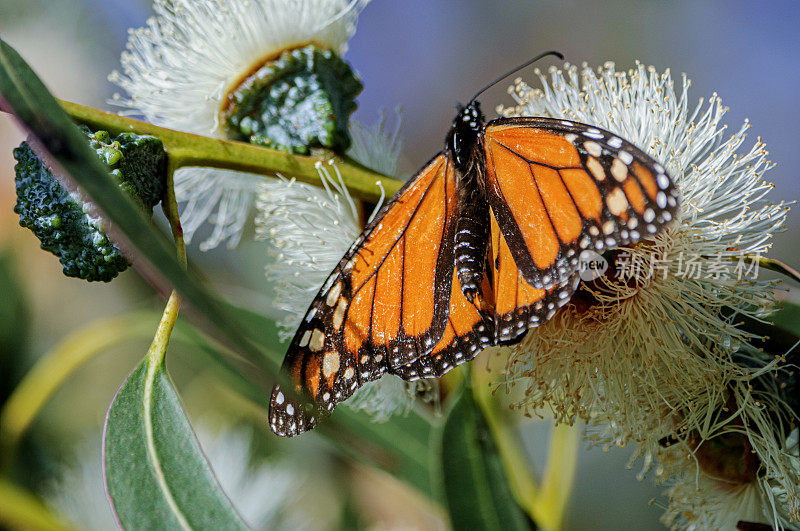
400, 446
778, 334
56, 366
156, 474
787, 318
476, 489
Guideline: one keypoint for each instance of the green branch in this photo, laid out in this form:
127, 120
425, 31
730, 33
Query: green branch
186, 149
777, 266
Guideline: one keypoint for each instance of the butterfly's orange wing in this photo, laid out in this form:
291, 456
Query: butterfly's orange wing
519, 306
558, 188
383, 306
470, 329
506, 308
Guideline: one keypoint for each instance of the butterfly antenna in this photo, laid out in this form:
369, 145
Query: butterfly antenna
516, 69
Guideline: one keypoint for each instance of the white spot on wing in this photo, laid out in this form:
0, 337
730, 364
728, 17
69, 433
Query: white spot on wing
617, 204
305, 338
329, 282
310, 315
317, 340
330, 363
625, 157
593, 148
596, 168
619, 170
338, 314
333, 294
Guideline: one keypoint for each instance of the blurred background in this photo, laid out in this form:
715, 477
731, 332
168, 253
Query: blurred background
423, 57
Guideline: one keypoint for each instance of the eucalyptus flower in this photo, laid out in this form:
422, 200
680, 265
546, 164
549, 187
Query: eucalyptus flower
309, 229
181, 70
651, 352
697, 500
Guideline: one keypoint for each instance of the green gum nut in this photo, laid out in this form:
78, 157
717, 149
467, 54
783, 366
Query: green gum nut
297, 102
111, 155
61, 220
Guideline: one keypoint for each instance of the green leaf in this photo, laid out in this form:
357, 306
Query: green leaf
476, 489
407, 439
787, 318
779, 334
156, 474
779, 267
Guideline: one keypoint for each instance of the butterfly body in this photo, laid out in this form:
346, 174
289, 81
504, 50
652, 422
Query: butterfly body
472, 226
479, 246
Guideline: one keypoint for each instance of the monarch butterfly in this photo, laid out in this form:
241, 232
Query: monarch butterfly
480, 245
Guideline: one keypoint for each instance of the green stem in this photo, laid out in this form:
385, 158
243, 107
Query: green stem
777, 266
170, 207
158, 348
186, 149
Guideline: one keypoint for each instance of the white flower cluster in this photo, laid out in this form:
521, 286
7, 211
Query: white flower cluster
654, 358
178, 69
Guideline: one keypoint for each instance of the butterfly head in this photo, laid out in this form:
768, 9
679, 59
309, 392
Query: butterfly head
465, 131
